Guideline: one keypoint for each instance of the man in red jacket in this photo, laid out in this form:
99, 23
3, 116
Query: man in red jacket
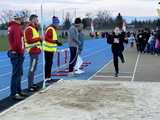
15, 53
33, 47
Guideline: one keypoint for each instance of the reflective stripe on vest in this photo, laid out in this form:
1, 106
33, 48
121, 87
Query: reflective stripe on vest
35, 34
50, 47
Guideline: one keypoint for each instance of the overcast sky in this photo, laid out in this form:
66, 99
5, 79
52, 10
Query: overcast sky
125, 7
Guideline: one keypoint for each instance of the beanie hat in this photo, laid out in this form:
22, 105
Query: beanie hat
32, 17
78, 21
55, 20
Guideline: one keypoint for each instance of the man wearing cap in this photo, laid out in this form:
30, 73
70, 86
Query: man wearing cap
33, 47
16, 55
74, 44
50, 46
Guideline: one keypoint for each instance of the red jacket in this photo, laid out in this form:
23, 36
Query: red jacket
49, 35
15, 37
30, 40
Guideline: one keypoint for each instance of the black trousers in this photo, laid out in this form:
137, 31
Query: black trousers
115, 60
142, 46
73, 58
48, 63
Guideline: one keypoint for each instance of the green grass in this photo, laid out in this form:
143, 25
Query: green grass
3, 43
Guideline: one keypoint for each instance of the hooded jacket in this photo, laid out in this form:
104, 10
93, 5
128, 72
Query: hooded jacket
15, 37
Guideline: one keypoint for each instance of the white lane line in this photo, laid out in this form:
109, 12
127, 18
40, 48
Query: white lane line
94, 53
100, 69
135, 68
7, 58
4, 89
26, 68
102, 76
27, 60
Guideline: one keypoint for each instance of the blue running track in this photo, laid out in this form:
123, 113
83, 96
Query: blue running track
97, 52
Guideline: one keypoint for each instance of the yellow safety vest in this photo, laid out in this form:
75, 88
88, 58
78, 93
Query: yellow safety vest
35, 35
50, 47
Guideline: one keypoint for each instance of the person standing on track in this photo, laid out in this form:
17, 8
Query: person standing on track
80, 48
16, 55
50, 46
117, 39
33, 47
74, 43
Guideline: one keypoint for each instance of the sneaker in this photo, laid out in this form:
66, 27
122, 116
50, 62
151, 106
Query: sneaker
123, 61
71, 74
24, 94
55, 80
79, 72
31, 89
36, 87
52, 81
116, 75
18, 97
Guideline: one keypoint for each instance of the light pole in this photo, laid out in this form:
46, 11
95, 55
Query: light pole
158, 9
42, 34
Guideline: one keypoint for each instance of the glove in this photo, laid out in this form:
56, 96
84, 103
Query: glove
59, 43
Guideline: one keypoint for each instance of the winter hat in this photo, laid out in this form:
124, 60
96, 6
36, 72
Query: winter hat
78, 21
32, 17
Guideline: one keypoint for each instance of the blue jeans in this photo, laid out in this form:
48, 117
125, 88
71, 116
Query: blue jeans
32, 69
17, 71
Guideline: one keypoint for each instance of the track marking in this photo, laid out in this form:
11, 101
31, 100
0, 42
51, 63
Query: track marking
100, 69
135, 68
6, 88
102, 76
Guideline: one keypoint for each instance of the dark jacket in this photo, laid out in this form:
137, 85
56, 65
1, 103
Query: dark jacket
117, 42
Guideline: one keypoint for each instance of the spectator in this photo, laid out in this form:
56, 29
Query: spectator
73, 44
16, 55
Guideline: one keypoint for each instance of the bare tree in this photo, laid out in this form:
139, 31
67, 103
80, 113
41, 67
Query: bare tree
103, 19
7, 15
67, 21
25, 14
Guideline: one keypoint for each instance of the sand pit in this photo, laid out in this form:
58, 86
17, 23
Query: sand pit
90, 100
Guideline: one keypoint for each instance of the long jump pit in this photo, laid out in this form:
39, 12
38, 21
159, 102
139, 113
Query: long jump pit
90, 100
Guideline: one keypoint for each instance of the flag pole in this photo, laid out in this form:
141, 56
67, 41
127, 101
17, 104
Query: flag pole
42, 34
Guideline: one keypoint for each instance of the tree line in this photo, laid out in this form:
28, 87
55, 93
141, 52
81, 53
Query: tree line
102, 20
